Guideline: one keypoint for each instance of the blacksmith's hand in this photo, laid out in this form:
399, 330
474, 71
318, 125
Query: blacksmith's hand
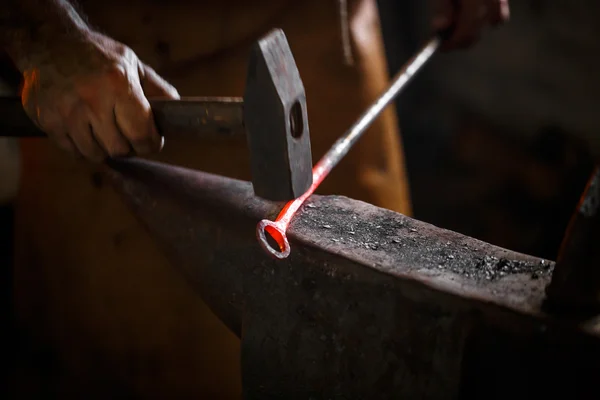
462, 21
89, 93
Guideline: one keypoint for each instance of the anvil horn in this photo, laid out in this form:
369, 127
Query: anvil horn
200, 221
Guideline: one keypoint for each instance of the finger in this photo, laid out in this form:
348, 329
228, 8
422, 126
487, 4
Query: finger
64, 142
504, 10
154, 85
104, 125
108, 134
81, 132
30, 95
135, 121
443, 15
469, 23
499, 12
44, 117
62, 139
50, 122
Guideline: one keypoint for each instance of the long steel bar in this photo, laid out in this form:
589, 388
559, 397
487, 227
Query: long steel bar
277, 229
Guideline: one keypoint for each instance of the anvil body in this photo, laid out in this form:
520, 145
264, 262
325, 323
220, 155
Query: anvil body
371, 304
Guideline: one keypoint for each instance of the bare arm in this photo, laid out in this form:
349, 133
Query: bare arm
28, 28
86, 90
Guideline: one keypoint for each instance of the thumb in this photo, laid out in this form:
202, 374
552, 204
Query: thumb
154, 85
443, 15
499, 12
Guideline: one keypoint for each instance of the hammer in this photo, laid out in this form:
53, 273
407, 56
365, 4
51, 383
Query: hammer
272, 114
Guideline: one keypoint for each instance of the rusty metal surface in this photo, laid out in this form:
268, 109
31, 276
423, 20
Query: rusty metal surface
575, 284
277, 121
370, 305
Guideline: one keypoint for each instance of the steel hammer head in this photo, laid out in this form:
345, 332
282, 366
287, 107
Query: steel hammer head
276, 121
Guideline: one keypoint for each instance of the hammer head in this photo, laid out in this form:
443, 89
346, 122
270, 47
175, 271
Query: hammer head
276, 121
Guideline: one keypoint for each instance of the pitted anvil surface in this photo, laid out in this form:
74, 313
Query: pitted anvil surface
371, 304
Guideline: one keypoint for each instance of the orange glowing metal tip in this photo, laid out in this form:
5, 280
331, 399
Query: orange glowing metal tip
277, 229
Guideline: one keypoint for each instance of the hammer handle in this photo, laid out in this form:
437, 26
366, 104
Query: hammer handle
188, 117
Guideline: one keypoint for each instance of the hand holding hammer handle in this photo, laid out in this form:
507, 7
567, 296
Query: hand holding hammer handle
195, 116
272, 115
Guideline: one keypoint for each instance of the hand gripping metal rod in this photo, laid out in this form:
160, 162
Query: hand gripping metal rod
277, 229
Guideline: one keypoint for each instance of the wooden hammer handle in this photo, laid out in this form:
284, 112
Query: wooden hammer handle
188, 117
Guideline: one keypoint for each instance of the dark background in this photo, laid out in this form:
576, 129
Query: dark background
499, 139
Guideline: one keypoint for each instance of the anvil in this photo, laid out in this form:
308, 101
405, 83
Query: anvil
371, 304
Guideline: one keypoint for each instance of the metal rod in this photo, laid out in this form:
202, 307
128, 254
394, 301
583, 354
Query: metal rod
277, 229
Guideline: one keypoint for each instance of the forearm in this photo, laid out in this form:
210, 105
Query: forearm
31, 29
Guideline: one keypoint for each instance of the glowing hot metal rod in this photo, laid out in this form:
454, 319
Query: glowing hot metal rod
277, 229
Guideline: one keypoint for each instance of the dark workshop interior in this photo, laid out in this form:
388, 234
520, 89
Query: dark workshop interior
494, 150
499, 141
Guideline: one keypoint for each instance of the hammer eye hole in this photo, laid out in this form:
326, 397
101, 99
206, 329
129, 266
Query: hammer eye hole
296, 121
